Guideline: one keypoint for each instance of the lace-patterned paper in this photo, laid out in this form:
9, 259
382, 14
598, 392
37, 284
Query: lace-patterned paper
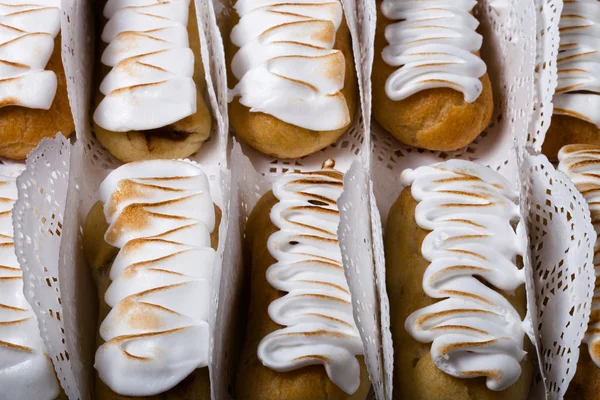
562, 247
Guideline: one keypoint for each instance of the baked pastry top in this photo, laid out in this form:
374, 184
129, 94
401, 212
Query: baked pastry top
472, 249
26, 371
151, 82
316, 312
581, 163
578, 91
286, 65
435, 45
160, 215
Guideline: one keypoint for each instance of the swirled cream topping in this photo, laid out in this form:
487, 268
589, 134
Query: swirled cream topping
286, 65
26, 371
435, 45
578, 90
27, 32
581, 163
161, 215
151, 82
316, 312
472, 248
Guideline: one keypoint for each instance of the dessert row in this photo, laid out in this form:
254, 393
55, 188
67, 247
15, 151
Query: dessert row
454, 243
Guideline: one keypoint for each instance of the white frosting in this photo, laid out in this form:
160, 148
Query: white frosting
581, 163
151, 83
578, 90
27, 32
26, 371
434, 44
286, 65
317, 309
161, 215
475, 331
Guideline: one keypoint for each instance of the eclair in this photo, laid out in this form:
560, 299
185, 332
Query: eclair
576, 115
150, 242
26, 370
430, 87
33, 88
456, 286
291, 74
150, 99
301, 339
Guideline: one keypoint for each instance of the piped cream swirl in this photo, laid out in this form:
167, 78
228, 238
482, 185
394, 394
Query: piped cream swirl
286, 65
578, 90
581, 163
151, 82
317, 309
161, 215
470, 211
434, 44
27, 32
26, 371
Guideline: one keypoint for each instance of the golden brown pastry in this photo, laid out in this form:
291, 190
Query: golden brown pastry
153, 267
430, 87
576, 118
581, 163
292, 74
150, 102
457, 297
33, 87
301, 340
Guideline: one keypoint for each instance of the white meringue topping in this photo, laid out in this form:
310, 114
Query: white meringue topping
317, 309
475, 330
581, 163
151, 83
286, 65
578, 90
27, 32
161, 215
434, 44
26, 371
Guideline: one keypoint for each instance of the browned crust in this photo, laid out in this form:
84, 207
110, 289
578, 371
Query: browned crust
415, 375
566, 130
253, 380
274, 137
433, 119
100, 256
21, 128
178, 140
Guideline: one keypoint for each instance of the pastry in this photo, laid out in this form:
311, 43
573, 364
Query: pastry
26, 371
33, 87
457, 294
581, 163
430, 87
576, 118
292, 72
150, 101
150, 242
301, 339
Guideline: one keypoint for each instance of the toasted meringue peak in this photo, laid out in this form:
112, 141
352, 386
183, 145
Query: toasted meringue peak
26, 372
151, 82
581, 163
27, 32
316, 312
433, 43
472, 249
160, 216
286, 65
578, 90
